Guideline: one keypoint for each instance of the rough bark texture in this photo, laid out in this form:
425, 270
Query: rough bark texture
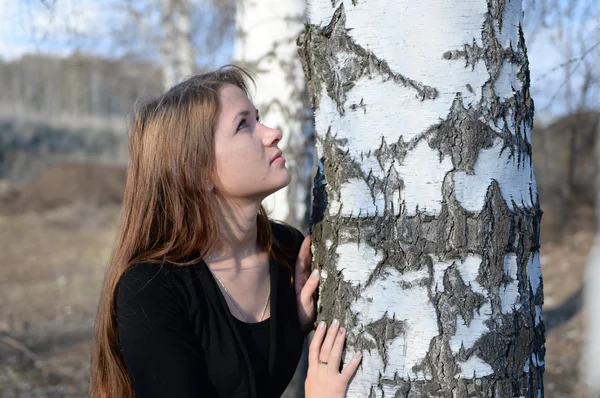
426, 216
266, 44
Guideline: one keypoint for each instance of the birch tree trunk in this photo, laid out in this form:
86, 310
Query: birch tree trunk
184, 42
426, 214
177, 49
265, 43
591, 349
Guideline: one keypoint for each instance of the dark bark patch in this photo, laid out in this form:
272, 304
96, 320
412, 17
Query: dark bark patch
461, 136
360, 105
461, 296
495, 225
497, 8
319, 48
384, 330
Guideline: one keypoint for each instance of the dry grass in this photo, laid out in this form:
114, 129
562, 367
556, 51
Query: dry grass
563, 265
51, 273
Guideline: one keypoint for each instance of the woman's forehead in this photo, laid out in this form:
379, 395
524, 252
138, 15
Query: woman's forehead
233, 97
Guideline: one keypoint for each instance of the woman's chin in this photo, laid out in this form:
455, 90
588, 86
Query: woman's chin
286, 182
276, 188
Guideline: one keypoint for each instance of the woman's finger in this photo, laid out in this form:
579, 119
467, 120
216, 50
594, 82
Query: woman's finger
304, 256
335, 356
351, 366
308, 291
329, 339
302, 265
315, 345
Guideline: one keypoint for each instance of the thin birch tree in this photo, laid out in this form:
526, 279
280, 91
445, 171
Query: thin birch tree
591, 348
177, 48
426, 213
266, 34
265, 43
184, 35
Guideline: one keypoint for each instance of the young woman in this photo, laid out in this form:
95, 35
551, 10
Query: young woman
204, 296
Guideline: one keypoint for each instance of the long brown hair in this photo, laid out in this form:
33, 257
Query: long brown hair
168, 211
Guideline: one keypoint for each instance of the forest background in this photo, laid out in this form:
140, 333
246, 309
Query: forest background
70, 72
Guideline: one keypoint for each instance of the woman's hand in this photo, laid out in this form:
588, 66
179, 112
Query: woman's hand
305, 287
324, 357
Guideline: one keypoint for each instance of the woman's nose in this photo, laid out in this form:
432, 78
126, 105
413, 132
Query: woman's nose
271, 136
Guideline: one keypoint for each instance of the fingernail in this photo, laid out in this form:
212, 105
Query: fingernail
342, 330
335, 322
324, 274
315, 274
357, 355
322, 325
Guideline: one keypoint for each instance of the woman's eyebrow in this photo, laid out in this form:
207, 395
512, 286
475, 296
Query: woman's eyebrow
244, 113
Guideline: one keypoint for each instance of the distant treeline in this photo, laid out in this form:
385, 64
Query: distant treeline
78, 85
55, 109
26, 149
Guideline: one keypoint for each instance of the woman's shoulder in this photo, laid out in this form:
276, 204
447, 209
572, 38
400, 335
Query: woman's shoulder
157, 278
141, 274
142, 280
286, 242
286, 235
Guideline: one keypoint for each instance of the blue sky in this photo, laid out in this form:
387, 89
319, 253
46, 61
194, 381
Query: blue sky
29, 26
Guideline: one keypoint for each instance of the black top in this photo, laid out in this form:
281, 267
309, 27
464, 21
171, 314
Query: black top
179, 338
256, 338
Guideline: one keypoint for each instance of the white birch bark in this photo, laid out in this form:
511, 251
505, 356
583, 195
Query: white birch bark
591, 349
426, 210
265, 43
184, 42
177, 49
167, 47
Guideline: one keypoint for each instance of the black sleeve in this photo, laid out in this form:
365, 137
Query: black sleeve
161, 353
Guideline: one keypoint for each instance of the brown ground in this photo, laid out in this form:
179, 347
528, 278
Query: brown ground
65, 184
53, 262
50, 277
563, 257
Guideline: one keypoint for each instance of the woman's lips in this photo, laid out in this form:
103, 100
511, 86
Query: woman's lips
278, 157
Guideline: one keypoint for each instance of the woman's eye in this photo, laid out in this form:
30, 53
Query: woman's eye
242, 124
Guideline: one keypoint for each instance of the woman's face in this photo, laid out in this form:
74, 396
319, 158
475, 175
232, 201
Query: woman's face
249, 166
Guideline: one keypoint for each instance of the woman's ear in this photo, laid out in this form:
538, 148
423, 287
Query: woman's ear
209, 181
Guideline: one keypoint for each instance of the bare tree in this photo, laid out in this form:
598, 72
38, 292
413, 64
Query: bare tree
185, 36
574, 35
591, 351
177, 49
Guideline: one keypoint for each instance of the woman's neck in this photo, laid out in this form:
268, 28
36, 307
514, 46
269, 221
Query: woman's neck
238, 235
